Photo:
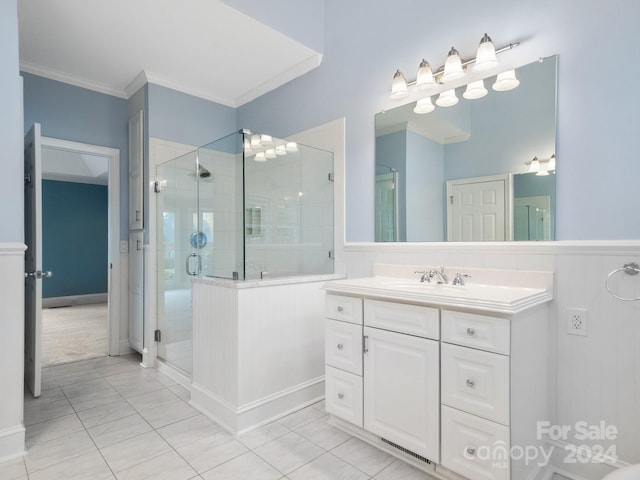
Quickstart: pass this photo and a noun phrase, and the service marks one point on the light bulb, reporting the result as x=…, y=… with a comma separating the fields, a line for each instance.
x=424, y=79
x=552, y=162
x=423, y=106
x=506, y=81
x=452, y=67
x=543, y=172
x=266, y=139
x=475, y=90
x=399, y=89
x=534, y=166
x=255, y=140
x=260, y=157
x=486, y=55
x=291, y=147
x=447, y=98
x=281, y=150
x=270, y=153
x=246, y=143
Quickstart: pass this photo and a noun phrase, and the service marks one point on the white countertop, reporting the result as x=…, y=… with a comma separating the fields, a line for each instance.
x=486, y=297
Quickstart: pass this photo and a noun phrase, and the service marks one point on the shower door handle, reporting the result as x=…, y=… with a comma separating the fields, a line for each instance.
x=188, y=264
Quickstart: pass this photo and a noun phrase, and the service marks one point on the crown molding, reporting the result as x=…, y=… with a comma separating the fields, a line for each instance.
x=58, y=76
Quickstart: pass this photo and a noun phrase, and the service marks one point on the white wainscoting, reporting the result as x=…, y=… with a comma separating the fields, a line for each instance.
x=258, y=352
x=591, y=379
x=11, y=350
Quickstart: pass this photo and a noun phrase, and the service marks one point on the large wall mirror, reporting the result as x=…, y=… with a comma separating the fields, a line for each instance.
x=463, y=173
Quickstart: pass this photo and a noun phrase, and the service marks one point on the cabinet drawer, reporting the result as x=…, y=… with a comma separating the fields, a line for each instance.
x=343, y=346
x=345, y=309
x=477, y=331
x=401, y=318
x=476, y=382
x=343, y=395
x=474, y=447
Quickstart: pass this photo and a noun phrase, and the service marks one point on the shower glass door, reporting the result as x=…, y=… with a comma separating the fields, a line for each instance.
x=177, y=257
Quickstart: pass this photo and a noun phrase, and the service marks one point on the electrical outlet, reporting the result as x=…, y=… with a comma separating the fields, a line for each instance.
x=577, y=321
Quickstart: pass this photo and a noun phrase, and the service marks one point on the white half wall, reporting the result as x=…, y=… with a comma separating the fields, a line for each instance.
x=11, y=350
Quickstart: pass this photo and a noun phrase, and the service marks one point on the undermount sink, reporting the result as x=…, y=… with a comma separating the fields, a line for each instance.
x=423, y=286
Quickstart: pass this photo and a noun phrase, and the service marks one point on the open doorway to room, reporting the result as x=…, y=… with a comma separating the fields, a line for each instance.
x=77, y=237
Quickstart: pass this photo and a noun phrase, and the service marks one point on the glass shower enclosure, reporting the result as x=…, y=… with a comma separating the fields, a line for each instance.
x=244, y=207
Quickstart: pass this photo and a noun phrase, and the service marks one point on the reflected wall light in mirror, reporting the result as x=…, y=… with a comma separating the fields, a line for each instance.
x=542, y=166
x=454, y=69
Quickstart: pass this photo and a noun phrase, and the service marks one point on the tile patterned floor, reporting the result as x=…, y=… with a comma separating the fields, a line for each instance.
x=109, y=418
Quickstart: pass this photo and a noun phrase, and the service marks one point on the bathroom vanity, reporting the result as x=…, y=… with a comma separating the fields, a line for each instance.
x=451, y=378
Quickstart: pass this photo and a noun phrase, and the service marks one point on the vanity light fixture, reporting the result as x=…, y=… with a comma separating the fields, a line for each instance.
x=255, y=140
x=265, y=139
x=423, y=106
x=270, y=153
x=447, y=98
x=455, y=68
x=291, y=147
x=475, y=90
x=281, y=150
x=260, y=157
x=542, y=166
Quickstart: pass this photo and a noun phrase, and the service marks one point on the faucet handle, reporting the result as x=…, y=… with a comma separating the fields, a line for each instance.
x=425, y=275
x=459, y=280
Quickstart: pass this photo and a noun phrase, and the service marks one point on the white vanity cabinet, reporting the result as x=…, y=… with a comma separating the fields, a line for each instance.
x=451, y=379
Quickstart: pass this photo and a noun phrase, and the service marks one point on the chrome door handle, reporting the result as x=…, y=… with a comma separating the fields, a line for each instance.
x=39, y=274
x=188, y=261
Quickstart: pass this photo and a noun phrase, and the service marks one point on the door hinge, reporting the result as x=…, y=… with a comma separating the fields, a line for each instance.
x=27, y=179
x=332, y=177
x=157, y=336
x=451, y=199
x=331, y=254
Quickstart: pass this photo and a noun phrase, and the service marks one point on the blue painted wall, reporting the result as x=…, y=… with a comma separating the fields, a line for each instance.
x=183, y=118
x=11, y=163
x=74, y=238
x=597, y=114
x=80, y=115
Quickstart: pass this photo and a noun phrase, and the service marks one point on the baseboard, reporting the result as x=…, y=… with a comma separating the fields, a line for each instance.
x=70, y=300
x=173, y=373
x=124, y=348
x=590, y=464
x=238, y=420
x=12, y=443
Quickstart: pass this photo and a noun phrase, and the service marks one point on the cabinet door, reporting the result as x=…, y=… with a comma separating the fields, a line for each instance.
x=402, y=390
x=136, y=291
x=136, y=177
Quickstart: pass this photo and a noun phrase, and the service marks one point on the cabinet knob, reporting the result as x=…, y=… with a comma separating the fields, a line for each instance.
x=470, y=383
x=340, y=346
x=471, y=451
x=340, y=309
x=471, y=332
x=341, y=396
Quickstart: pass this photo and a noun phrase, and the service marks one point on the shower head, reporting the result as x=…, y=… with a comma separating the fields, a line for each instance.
x=203, y=172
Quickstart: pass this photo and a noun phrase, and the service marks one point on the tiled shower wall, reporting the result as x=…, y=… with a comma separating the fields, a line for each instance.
x=591, y=379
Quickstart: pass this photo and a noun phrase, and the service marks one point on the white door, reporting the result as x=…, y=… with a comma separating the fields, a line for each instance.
x=402, y=390
x=136, y=291
x=33, y=259
x=478, y=209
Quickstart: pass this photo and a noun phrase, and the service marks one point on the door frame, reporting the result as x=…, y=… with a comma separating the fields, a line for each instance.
x=114, y=273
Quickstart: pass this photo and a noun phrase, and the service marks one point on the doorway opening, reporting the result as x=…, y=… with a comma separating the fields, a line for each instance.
x=80, y=229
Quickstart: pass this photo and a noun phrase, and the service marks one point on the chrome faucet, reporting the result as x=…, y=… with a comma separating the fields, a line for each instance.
x=442, y=277
x=425, y=275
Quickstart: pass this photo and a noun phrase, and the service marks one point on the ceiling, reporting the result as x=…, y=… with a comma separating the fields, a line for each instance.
x=68, y=166
x=200, y=47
